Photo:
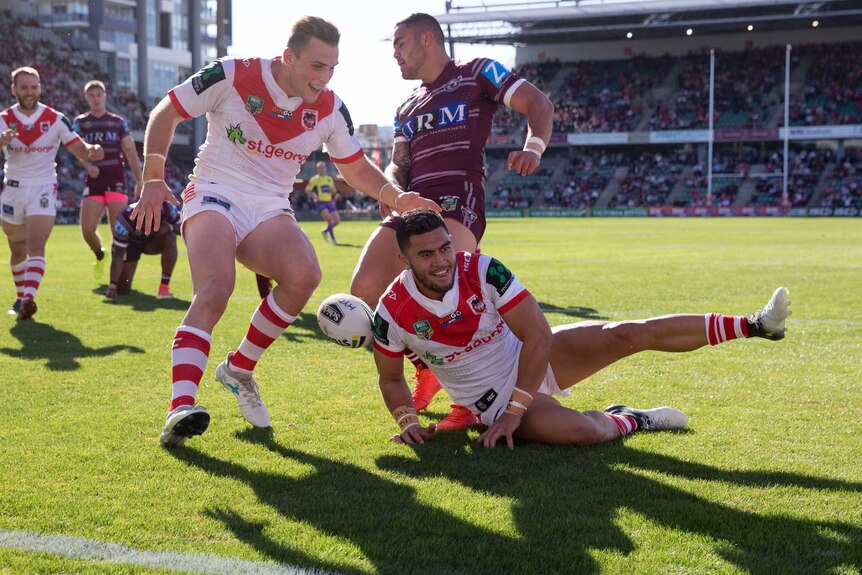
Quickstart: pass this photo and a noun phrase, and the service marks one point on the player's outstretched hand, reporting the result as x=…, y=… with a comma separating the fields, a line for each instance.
x=522, y=162
x=505, y=426
x=95, y=153
x=415, y=434
x=148, y=213
x=412, y=200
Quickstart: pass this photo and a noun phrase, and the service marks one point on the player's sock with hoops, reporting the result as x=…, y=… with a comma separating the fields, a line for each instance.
x=722, y=328
x=625, y=423
x=267, y=323
x=18, y=271
x=189, y=356
x=33, y=276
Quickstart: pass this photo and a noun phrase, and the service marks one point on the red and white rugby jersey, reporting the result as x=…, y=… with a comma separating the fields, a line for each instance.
x=463, y=338
x=257, y=136
x=446, y=123
x=31, y=158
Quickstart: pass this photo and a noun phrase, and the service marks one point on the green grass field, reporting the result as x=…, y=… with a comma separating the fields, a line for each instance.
x=766, y=480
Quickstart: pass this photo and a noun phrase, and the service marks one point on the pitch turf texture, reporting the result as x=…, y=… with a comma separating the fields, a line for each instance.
x=767, y=478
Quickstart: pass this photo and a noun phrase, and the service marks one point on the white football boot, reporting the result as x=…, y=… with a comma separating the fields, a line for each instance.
x=658, y=418
x=769, y=321
x=246, y=391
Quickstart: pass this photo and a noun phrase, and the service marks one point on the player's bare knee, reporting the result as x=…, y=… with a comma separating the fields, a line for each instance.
x=366, y=288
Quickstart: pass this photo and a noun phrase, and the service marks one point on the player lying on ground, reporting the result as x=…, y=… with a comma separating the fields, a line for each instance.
x=487, y=341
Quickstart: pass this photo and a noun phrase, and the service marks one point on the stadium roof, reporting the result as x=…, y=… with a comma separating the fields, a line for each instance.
x=563, y=21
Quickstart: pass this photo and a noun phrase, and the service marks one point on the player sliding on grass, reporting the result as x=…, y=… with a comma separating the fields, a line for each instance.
x=485, y=338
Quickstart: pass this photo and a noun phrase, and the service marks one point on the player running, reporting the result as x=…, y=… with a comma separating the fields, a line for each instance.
x=30, y=135
x=322, y=187
x=486, y=339
x=106, y=185
x=439, y=151
x=129, y=243
x=265, y=117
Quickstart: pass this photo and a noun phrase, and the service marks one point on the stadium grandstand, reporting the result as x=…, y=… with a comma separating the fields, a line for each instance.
x=630, y=81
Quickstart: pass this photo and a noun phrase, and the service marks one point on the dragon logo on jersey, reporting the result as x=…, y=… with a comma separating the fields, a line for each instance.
x=423, y=329
x=477, y=304
x=309, y=119
x=449, y=203
x=499, y=276
x=433, y=359
x=44, y=126
x=381, y=329
x=207, y=76
x=254, y=104
x=234, y=134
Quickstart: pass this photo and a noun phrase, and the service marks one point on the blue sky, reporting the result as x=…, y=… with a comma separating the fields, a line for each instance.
x=367, y=77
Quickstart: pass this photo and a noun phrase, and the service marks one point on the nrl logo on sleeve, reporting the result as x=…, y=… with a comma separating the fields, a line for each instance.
x=254, y=104
x=423, y=329
x=207, y=76
x=498, y=276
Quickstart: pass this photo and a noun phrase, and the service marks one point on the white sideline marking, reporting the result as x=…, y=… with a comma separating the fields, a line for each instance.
x=81, y=548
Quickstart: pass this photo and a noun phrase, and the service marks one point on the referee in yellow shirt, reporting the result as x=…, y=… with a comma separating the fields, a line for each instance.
x=322, y=187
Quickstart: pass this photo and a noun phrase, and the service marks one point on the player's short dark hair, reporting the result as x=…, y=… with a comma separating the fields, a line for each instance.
x=309, y=27
x=425, y=23
x=24, y=70
x=417, y=222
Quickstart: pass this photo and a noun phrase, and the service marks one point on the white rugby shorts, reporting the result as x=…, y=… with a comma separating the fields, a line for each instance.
x=244, y=211
x=18, y=202
x=549, y=386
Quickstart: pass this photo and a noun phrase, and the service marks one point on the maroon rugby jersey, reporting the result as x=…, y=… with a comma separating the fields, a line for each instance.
x=108, y=131
x=446, y=123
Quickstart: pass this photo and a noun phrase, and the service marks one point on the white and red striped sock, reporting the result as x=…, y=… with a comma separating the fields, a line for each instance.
x=625, y=423
x=722, y=328
x=188, y=362
x=267, y=323
x=18, y=277
x=33, y=275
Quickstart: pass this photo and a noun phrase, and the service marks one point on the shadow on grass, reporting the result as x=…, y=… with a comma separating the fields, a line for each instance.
x=140, y=301
x=574, y=507
x=61, y=349
x=566, y=505
x=583, y=313
x=304, y=328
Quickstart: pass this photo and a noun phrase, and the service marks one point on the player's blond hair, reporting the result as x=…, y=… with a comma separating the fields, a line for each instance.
x=309, y=27
x=94, y=84
x=25, y=70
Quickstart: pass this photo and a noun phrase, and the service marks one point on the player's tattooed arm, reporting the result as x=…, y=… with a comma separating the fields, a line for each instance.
x=399, y=168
